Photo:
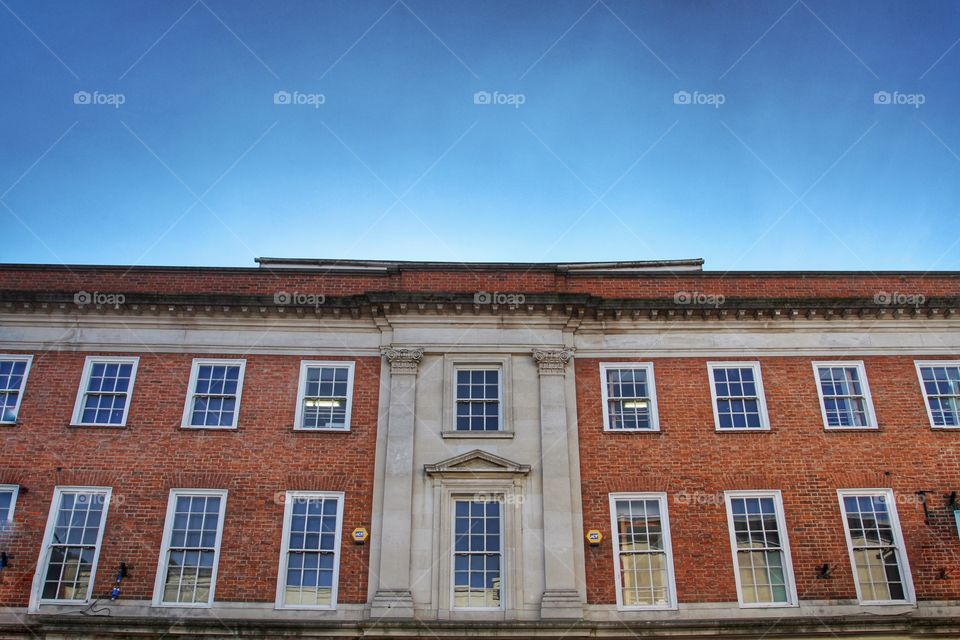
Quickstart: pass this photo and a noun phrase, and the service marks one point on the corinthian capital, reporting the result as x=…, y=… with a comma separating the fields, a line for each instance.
x=552, y=362
x=403, y=359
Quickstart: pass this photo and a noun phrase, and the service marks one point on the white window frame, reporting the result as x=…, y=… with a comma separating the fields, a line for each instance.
x=452, y=362
x=40, y=574
x=192, y=390
x=761, y=396
x=291, y=496
x=493, y=497
x=350, y=365
x=494, y=483
x=909, y=593
x=651, y=389
x=923, y=390
x=667, y=544
x=161, y=577
x=484, y=366
x=23, y=385
x=85, y=380
x=14, y=489
x=792, y=600
x=864, y=387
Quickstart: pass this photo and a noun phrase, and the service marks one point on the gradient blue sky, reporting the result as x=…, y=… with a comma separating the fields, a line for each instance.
x=797, y=169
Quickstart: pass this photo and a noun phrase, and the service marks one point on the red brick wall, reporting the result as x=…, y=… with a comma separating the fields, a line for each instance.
x=694, y=465
x=265, y=283
x=142, y=462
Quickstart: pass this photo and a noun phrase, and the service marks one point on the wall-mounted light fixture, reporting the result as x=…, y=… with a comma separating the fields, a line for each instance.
x=926, y=510
x=4, y=560
x=824, y=571
x=121, y=574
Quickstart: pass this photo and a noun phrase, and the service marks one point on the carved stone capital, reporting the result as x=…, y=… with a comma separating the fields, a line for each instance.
x=552, y=362
x=403, y=360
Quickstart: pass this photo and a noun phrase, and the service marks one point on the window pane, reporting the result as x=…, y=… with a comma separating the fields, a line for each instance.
x=73, y=545
x=11, y=383
x=642, y=553
x=6, y=502
x=843, y=400
x=941, y=386
x=758, y=553
x=324, y=404
x=628, y=399
x=477, y=400
x=737, y=399
x=215, y=396
x=106, y=395
x=477, y=554
x=643, y=577
x=311, y=551
x=876, y=554
x=192, y=549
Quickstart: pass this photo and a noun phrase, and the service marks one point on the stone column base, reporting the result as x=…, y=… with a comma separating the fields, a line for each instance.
x=394, y=603
x=561, y=603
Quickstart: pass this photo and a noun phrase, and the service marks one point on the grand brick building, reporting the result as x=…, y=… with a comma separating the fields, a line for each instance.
x=342, y=448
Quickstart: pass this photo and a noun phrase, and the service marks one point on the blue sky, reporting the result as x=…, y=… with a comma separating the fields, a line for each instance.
x=779, y=155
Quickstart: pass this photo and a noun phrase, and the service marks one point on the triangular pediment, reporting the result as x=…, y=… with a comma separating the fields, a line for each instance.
x=477, y=462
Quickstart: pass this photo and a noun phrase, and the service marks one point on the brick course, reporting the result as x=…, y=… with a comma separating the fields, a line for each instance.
x=265, y=282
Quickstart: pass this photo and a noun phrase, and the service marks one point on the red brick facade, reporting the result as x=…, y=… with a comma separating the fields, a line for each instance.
x=256, y=463
x=694, y=464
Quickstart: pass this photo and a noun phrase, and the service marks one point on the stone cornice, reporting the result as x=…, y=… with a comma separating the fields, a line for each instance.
x=390, y=304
